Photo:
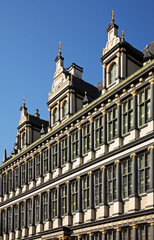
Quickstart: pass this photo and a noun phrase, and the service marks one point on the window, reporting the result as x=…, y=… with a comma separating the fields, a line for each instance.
x=111, y=235
x=54, y=156
x=112, y=73
x=22, y=214
x=23, y=174
x=45, y=162
x=127, y=115
x=98, y=131
x=111, y=180
x=85, y=188
x=16, y=177
x=144, y=172
x=64, y=109
x=9, y=219
x=112, y=123
x=45, y=206
x=30, y=170
x=10, y=181
x=3, y=219
x=64, y=200
x=126, y=178
x=29, y=212
x=86, y=138
x=24, y=139
x=4, y=183
x=98, y=187
x=144, y=232
x=37, y=165
x=144, y=106
x=54, y=203
x=64, y=150
x=75, y=144
x=16, y=217
x=37, y=208
x=55, y=115
x=74, y=195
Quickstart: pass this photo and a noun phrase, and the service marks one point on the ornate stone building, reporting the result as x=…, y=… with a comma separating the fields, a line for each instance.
x=88, y=172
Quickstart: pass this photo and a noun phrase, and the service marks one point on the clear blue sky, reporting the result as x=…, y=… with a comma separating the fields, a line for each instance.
x=29, y=34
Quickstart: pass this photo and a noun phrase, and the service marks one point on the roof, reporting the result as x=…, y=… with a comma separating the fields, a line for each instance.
x=148, y=52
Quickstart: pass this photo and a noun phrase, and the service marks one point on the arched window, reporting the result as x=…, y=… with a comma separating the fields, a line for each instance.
x=55, y=115
x=112, y=73
x=64, y=109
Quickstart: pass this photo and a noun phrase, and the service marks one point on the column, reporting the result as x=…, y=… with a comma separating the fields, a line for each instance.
x=1, y=188
x=104, y=206
x=58, y=112
x=68, y=101
x=40, y=223
x=135, y=113
x=49, y=118
x=79, y=159
x=152, y=98
x=118, y=206
x=119, y=233
x=150, y=197
x=0, y=224
x=135, y=232
x=152, y=230
x=133, y=198
x=58, y=218
x=104, y=235
x=104, y=112
x=104, y=78
x=68, y=217
x=79, y=213
x=32, y=226
x=91, y=120
x=91, y=236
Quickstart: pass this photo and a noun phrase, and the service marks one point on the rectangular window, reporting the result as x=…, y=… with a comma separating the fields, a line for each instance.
x=29, y=212
x=16, y=172
x=54, y=156
x=75, y=144
x=54, y=203
x=15, y=217
x=37, y=209
x=9, y=219
x=64, y=200
x=98, y=187
x=37, y=165
x=45, y=206
x=4, y=183
x=10, y=181
x=64, y=150
x=127, y=115
x=45, y=162
x=85, y=192
x=86, y=138
x=22, y=214
x=23, y=174
x=144, y=105
x=126, y=178
x=144, y=172
x=98, y=131
x=112, y=123
x=30, y=170
x=111, y=181
x=74, y=187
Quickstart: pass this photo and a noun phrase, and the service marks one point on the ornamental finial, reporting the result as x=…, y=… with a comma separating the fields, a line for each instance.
x=59, y=47
x=23, y=99
x=112, y=14
x=122, y=34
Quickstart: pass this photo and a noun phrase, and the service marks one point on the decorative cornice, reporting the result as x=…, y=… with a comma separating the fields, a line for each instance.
x=91, y=234
x=150, y=148
x=117, y=161
x=119, y=229
x=151, y=81
x=134, y=93
x=89, y=173
x=133, y=155
x=103, y=167
x=78, y=178
x=104, y=111
x=104, y=231
x=118, y=102
x=134, y=226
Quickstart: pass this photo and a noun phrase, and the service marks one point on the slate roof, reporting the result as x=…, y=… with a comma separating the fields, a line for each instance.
x=148, y=52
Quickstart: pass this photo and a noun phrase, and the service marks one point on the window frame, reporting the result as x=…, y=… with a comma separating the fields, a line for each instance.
x=74, y=194
x=144, y=180
x=143, y=116
x=63, y=200
x=54, y=203
x=54, y=156
x=85, y=192
x=126, y=174
x=64, y=150
x=112, y=71
x=112, y=117
x=86, y=131
x=45, y=162
x=127, y=115
x=75, y=144
x=98, y=188
x=111, y=183
x=98, y=128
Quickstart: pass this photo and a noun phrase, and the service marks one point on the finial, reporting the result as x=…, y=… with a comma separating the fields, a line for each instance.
x=112, y=14
x=59, y=47
x=85, y=93
x=122, y=34
x=23, y=99
x=147, y=46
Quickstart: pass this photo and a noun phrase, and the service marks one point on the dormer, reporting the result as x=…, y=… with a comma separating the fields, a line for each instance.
x=119, y=59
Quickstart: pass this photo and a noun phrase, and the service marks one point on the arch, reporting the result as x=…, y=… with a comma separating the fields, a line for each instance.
x=64, y=109
x=112, y=73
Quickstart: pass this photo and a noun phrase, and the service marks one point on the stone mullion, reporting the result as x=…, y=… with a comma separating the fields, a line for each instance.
x=119, y=233
x=119, y=65
x=58, y=153
x=25, y=214
x=104, y=185
x=49, y=159
x=119, y=119
x=152, y=98
x=135, y=232
x=33, y=170
x=68, y=198
x=19, y=217
x=91, y=189
x=68, y=97
x=134, y=175
x=26, y=172
x=40, y=208
x=152, y=230
x=104, y=77
x=7, y=183
x=12, y=218
x=33, y=211
x=49, y=205
x=6, y=220
x=104, y=126
x=91, y=134
x=69, y=148
x=58, y=120
x=104, y=235
x=135, y=115
x=118, y=180
x=1, y=187
x=79, y=193
x=151, y=150
x=41, y=164
x=13, y=186
x=80, y=141
x=19, y=176
x=58, y=202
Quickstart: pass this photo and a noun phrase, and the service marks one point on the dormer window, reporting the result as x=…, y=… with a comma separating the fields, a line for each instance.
x=112, y=73
x=55, y=115
x=64, y=109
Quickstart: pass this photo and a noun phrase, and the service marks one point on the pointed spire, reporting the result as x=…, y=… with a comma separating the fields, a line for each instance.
x=42, y=132
x=59, y=47
x=5, y=155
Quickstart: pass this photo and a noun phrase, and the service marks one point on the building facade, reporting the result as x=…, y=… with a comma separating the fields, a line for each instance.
x=88, y=172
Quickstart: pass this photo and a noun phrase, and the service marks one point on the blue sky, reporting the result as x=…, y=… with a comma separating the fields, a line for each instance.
x=30, y=31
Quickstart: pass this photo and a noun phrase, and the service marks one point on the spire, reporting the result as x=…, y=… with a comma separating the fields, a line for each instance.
x=42, y=132
x=112, y=24
x=59, y=47
x=112, y=15
x=5, y=155
x=59, y=59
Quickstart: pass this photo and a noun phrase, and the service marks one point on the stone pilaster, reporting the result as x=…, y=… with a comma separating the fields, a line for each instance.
x=104, y=78
x=135, y=232
x=18, y=230
x=32, y=229
x=33, y=182
x=67, y=220
x=79, y=237
x=79, y=213
x=90, y=214
x=150, y=192
x=49, y=118
x=48, y=176
x=104, y=210
x=119, y=233
x=119, y=124
x=104, y=235
x=133, y=198
x=91, y=236
x=39, y=227
x=59, y=117
x=18, y=191
x=152, y=230
x=57, y=220
x=68, y=101
x=40, y=178
x=104, y=112
x=80, y=158
x=1, y=188
x=25, y=228
x=48, y=223
x=25, y=186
